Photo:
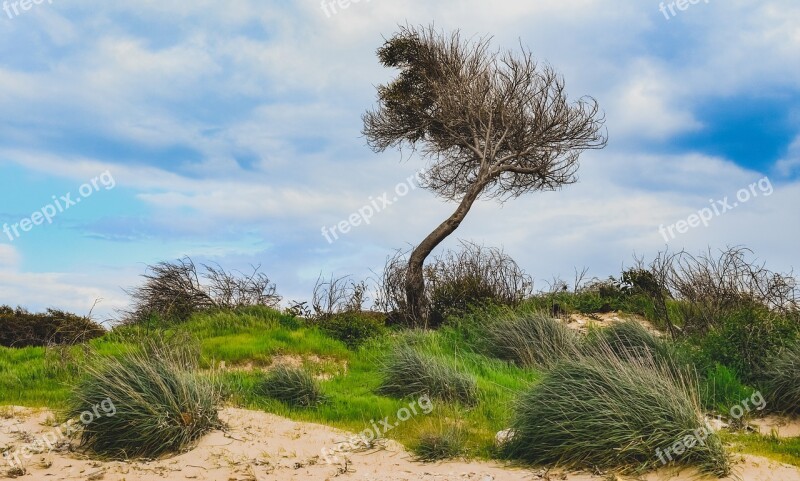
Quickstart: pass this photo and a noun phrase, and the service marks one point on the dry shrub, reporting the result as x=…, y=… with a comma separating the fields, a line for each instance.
x=21, y=328
x=456, y=281
x=173, y=291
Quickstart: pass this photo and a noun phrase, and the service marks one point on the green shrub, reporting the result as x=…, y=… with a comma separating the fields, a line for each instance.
x=782, y=381
x=353, y=328
x=746, y=337
x=20, y=328
x=605, y=412
x=531, y=339
x=160, y=405
x=446, y=442
x=457, y=296
x=408, y=372
x=293, y=386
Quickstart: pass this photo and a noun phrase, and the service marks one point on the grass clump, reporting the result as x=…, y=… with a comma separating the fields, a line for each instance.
x=630, y=339
x=150, y=400
x=291, y=385
x=408, y=372
x=530, y=339
x=353, y=328
x=606, y=412
x=782, y=380
x=445, y=442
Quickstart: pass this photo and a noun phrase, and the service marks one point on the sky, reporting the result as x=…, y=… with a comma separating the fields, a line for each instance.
x=230, y=132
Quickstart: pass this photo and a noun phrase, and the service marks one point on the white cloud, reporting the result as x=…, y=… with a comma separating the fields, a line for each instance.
x=791, y=163
x=75, y=292
x=286, y=85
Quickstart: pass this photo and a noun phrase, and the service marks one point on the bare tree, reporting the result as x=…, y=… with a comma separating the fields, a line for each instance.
x=491, y=124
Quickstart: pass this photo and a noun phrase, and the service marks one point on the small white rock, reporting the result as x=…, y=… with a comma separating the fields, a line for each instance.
x=504, y=436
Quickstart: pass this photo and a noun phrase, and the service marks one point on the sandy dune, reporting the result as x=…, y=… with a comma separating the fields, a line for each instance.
x=260, y=447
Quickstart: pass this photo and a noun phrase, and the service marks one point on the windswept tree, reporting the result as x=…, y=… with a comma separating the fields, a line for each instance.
x=490, y=124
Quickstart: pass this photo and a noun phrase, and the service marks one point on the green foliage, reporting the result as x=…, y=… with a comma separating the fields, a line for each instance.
x=160, y=404
x=437, y=444
x=721, y=388
x=455, y=297
x=605, y=412
x=353, y=328
x=782, y=380
x=745, y=338
x=20, y=328
x=409, y=372
x=529, y=338
x=598, y=298
x=291, y=385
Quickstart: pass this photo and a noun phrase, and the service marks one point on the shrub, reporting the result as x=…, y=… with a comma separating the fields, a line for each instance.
x=605, y=412
x=173, y=291
x=293, y=386
x=782, y=380
x=456, y=282
x=712, y=286
x=746, y=337
x=353, y=328
x=530, y=338
x=337, y=295
x=20, y=328
x=408, y=372
x=160, y=405
x=446, y=442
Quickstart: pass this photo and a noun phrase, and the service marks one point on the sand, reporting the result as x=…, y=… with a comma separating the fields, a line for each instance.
x=259, y=446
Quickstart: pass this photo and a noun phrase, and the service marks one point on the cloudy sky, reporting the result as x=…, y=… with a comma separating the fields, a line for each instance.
x=134, y=132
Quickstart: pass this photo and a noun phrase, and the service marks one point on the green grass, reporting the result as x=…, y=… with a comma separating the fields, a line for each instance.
x=251, y=339
x=29, y=378
x=257, y=337
x=149, y=401
x=530, y=339
x=781, y=450
x=291, y=385
x=409, y=372
x=782, y=380
x=439, y=443
x=607, y=412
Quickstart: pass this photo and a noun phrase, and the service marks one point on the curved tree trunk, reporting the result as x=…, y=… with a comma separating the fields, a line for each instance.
x=415, y=280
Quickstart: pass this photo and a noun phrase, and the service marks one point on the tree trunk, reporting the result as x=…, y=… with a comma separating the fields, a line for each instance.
x=415, y=280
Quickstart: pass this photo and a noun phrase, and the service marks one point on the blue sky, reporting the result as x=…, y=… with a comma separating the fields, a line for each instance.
x=232, y=133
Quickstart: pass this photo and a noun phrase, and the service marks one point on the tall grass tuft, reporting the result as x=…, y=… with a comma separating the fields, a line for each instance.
x=530, y=339
x=160, y=404
x=782, y=380
x=443, y=442
x=408, y=372
x=291, y=385
x=608, y=412
x=630, y=339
